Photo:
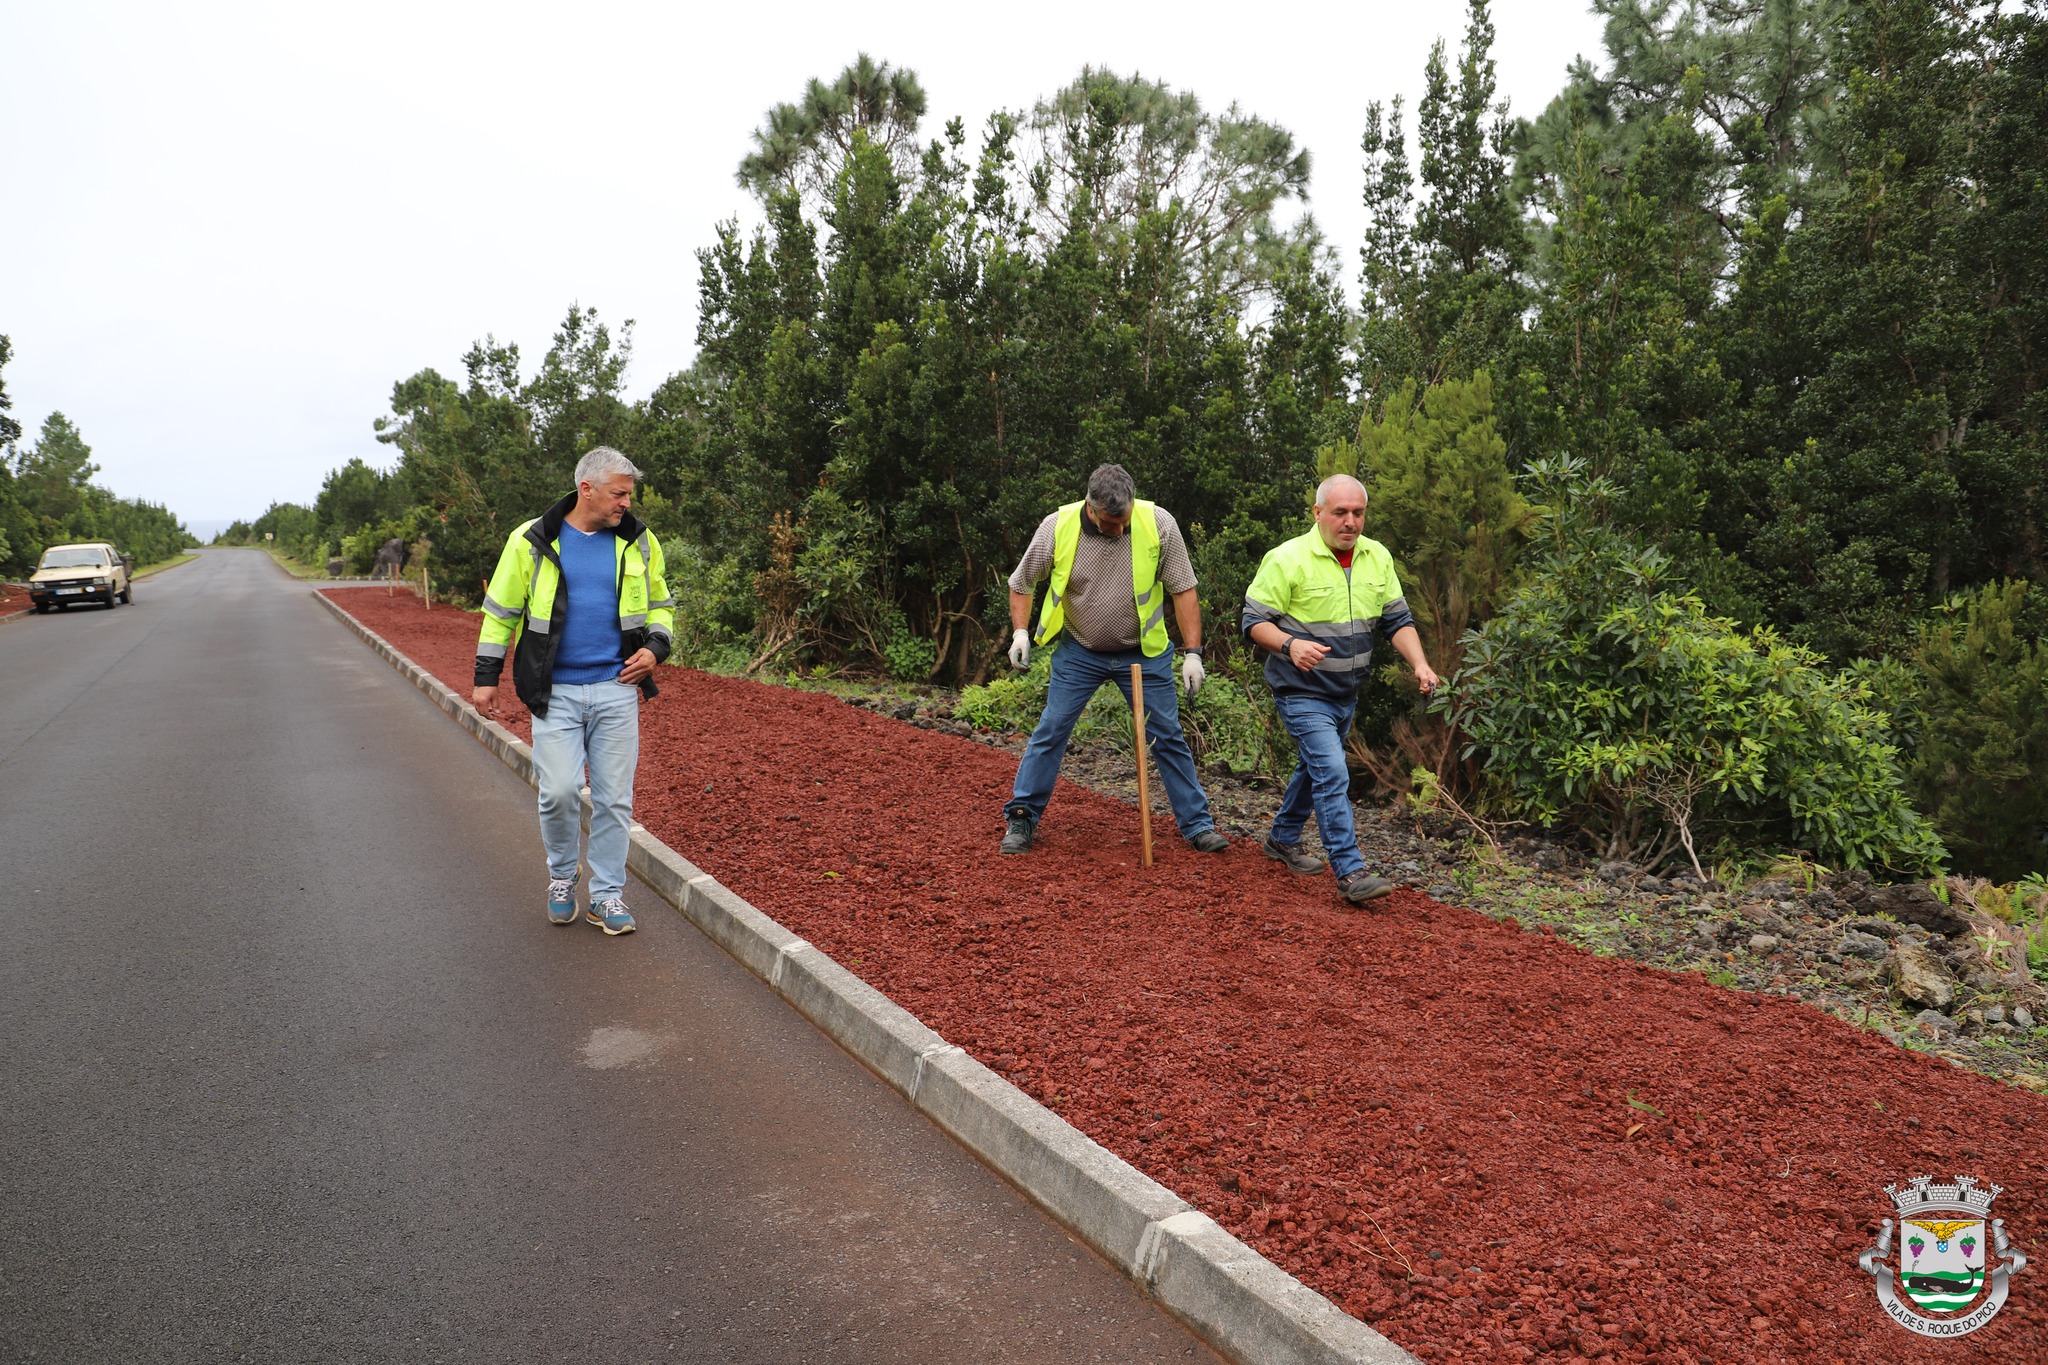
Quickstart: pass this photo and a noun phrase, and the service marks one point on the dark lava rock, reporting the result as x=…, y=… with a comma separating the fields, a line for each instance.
x=1935, y=1024
x=1914, y=903
x=1868, y=946
x=1882, y=928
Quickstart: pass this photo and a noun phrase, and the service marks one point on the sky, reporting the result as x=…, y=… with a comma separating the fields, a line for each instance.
x=226, y=230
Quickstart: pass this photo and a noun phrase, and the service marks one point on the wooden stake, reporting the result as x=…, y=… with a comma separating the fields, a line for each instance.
x=1144, y=778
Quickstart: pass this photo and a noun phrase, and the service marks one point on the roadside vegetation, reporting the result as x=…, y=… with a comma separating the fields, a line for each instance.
x=47, y=497
x=1701, y=410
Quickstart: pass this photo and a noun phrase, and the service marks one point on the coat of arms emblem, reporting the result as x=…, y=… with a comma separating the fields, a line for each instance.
x=1939, y=1286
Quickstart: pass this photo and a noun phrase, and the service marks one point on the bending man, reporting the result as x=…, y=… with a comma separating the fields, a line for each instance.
x=1114, y=560
x=583, y=591
x=1315, y=606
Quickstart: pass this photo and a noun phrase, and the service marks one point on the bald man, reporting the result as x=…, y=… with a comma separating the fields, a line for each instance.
x=1316, y=606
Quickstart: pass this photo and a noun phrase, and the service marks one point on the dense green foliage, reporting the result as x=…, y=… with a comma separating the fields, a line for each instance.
x=1979, y=703
x=1605, y=695
x=1772, y=272
x=47, y=497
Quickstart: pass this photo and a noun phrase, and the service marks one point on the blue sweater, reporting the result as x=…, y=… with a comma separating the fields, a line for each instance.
x=589, y=651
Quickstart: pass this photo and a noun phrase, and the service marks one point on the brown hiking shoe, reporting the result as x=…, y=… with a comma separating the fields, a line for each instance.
x=1361, y=886
x=1295, y=856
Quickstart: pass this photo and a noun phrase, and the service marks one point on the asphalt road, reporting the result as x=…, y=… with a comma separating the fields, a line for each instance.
x=296, y=1070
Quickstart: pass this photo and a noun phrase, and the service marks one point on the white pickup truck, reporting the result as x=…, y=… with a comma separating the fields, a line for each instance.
x=89, y=571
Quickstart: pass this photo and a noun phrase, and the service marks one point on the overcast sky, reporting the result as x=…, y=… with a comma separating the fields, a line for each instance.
x=225, y=230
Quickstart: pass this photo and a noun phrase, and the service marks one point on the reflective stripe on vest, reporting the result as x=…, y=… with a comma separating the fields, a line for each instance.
x=1149, y=592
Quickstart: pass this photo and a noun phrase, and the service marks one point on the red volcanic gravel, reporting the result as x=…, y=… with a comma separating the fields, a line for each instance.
x=1488, y=1144
x=14, y=600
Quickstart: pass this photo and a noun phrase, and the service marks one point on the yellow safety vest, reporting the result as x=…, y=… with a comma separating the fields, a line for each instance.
x=1151, y=597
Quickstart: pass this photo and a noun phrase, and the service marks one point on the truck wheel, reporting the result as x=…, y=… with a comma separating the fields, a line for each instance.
x=42, y=608
x=113, y=600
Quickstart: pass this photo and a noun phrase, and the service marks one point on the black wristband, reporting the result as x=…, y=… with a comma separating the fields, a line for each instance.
x=1191, y=649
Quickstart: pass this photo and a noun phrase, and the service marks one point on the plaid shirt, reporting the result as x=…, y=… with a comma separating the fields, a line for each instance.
x=1101, y=601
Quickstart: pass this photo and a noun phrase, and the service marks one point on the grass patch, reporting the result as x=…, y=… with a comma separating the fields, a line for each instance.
x=295, y=567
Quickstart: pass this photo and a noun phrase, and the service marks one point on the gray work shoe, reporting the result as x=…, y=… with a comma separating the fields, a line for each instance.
x=1017, y=836
x=1361, y=886
x=611, y=915
x=1209, y=841
x=562, y=900
x=1297, y=858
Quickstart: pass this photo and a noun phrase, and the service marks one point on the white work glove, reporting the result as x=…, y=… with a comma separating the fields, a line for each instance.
x=1191, y=675
x=1020, y=649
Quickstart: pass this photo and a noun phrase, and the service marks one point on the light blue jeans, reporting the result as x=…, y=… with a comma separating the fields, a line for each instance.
x=1322, y=783
x=597, y=724
x=1076, y=673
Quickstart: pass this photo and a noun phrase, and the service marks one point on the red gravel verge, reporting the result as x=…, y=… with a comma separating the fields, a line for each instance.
x=1488, y=1144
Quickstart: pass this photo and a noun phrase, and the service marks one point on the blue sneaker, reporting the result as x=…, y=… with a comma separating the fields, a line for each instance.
x=562, y=900
x=611, y=915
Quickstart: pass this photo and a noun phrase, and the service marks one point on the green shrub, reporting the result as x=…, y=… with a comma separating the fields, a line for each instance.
x=1231, y=724
x=910, y=658
x=1010, y=701
x=714, y=608
x=1980, y=704
x=1604, y=695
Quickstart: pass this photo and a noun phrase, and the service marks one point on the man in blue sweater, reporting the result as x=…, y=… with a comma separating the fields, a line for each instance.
x=583, y=592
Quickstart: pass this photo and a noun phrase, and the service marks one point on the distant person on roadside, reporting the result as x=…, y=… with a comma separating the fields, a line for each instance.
x=1315, y=607
x=583, y=592
x=1114, y=561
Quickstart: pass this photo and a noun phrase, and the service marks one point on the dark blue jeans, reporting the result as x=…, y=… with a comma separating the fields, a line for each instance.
x=1321, y=783
x=1076, y=674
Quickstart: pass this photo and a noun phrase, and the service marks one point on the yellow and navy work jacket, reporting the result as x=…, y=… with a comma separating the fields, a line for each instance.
x=1145, y=586
x=525, y=608
x=1302, y=589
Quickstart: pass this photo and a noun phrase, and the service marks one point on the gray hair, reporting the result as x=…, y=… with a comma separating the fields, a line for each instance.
x=1332, y=484
x=603, y=463
x=1110, y=490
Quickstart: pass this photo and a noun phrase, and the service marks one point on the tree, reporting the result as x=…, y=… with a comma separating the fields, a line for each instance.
x=1441, y=267
x=1117, y=151
x=54, y=477
x=48, y=498
x=10, y=429
x=15, y=531
x=803, y=146
x=355, y=496
x=1908, y=462
x=1981, y=702
x=1758, y=79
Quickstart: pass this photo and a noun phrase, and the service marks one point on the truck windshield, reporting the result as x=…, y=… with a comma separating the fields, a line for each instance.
x=74, y=559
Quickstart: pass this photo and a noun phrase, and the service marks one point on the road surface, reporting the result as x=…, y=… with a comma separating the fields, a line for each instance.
x=295, y=1068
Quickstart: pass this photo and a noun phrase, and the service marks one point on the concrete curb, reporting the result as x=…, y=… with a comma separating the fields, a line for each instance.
x=1233, y=1298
